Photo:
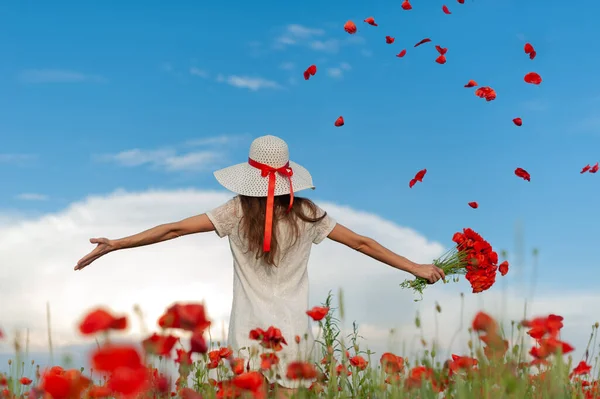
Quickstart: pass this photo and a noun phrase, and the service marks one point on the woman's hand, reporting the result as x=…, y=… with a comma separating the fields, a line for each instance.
x=104, y=246
x=431, y=273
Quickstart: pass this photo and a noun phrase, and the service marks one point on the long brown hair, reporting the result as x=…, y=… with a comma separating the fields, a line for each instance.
x=252, y=224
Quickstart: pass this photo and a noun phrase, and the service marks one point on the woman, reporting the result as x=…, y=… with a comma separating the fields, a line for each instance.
x=270, y=233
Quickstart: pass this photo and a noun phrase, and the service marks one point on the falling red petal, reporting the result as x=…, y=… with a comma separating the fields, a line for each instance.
x=371, y=21
x=412, y=183
x=441, y=59
x=533, y=78
x=474, y=205
x=401, y=54
x=585, y=168
x=594, y=168
x=406, y=5
x=389, y=39
x=446, y=10
x=350, y=27
x=530, y=50
x=441, y=50
x=486, y=92
x=339, y=121
x=471, y=83
x=518, y=121
x=426, y=40
x=461, y=1
x=420, y=175
x=523, y=174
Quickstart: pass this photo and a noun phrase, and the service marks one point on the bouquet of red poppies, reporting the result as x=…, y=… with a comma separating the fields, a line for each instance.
x=472, y=256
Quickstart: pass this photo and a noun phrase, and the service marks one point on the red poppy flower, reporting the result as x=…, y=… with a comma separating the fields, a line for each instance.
x=301, y=371
x=391, y=363
x=350, y=27
x=100, y=320
x=159, y=345
x=370, y=21
x=582, y=368
x=318, y=313
x=359, y=362
x=484, y=322
x=110, y=357
x=189, y=317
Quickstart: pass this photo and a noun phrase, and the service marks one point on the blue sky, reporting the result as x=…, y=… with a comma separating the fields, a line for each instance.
x=83, y=83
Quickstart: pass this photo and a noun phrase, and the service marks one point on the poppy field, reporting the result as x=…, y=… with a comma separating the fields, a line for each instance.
x=499, y=364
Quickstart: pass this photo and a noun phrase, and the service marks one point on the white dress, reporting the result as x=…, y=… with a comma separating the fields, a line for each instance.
x=265, y=295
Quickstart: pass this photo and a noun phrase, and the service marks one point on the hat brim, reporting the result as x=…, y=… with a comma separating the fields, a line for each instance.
x=247, y=180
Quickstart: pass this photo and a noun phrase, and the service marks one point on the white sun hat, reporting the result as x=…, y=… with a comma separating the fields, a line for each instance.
x=249, y=180
x=268, y=172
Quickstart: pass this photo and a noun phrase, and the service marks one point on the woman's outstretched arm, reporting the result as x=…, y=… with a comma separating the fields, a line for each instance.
x=373, y=249
x=163, y=232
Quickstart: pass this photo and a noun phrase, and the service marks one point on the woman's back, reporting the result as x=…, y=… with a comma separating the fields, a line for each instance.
x=267, y=295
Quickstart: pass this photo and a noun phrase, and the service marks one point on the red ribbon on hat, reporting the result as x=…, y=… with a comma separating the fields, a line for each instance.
x=270, y=171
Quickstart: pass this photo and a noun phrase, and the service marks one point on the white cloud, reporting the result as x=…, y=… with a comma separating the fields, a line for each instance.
x=38, y=256
x=32, y=197
x=167, y=159
x=198, y=72
x=328, y=46
x=288, y=66
x=338, y=72
x=19, y=159
x=58, y=76
x=217, y=140
x=248, y=82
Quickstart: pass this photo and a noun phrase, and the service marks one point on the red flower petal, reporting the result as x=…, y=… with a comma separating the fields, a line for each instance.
x=533, y=78
x=530, y=50
x=474, y=205
x=401, y=54
x=461, y=1
x=518, y=121
x=350, y=27
x=389, y=39
x=471, y=83
x=586, y=168
x=446, y=10
x=406, y=5
x=594, y=168
x=486, y=92
x=371, y=21
x=310, y=71
x=441, y=50
x=441, y=59
x=523, y=174
x=426, y=40
x=339, y=121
